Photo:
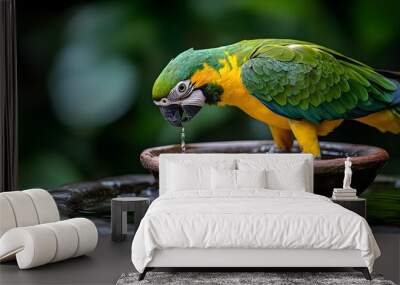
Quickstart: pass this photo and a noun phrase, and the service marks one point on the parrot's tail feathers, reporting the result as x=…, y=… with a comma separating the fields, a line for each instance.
x=396, y=105
x=391, y=121
x=386, y=120
x=396, y=113
x=389, y=73
x=396, y=95
x=394, y=76
x=394, y=126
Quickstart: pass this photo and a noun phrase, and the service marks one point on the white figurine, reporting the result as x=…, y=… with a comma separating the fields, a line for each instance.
x=347, y=174
x=345, y=193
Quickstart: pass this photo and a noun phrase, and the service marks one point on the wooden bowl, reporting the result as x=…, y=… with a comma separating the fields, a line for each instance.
x=328, y=171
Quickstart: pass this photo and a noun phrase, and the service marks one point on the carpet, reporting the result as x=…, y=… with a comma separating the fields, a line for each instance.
x=243, y=278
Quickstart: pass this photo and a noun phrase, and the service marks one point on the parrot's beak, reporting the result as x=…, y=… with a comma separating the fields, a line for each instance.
x=184, y=110
x=173, y=114
x=176, y=114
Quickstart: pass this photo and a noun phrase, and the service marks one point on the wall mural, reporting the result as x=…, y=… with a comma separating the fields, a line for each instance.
x=300, y=90
x=86, y=74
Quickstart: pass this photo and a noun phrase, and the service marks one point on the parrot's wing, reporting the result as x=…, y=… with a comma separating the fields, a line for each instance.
x=301, y=80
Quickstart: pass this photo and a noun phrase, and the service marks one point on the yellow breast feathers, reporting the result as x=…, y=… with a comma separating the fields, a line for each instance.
x=234, y=92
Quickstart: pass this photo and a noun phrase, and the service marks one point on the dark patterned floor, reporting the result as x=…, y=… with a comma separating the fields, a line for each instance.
x=251, y=278
x=111, y=259
x=103, y=266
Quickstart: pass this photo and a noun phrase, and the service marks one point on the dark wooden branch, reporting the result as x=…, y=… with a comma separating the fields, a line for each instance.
x=93, y=197
x=8, y=97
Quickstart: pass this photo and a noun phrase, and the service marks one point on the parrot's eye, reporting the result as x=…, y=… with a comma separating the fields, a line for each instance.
x=180, y=91
x=182, y=87
x=164, y=101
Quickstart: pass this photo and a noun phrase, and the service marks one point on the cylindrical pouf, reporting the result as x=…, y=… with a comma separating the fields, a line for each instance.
x=33, y=246
x=87, y=234
x=45, y=205
x=41, y=244
x=7, y=218
x=26, y=208
x=23, y=208
x=67, y=240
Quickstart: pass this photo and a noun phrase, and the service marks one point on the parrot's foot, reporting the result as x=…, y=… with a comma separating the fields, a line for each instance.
x=307, y=136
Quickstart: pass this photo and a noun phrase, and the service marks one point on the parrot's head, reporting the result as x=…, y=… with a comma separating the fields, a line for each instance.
x=175, y=92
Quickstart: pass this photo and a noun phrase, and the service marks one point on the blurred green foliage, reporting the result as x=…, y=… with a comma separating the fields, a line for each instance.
x=383, y=204
x=86, y=70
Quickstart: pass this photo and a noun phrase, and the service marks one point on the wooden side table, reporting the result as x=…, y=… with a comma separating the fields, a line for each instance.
x=358, y=205
x=119, y=208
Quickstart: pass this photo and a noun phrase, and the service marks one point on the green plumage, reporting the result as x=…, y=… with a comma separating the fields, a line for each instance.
x=296, y=79
x=182, y=67
x=301, y=80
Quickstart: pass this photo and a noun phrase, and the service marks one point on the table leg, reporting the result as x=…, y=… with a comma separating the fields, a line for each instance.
x=116, y=222
x=124, y=221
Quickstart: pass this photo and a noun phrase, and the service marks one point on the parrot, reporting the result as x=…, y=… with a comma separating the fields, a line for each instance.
x=300, y=90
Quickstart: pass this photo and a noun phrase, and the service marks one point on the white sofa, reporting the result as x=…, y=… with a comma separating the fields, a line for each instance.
x=31, y=231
